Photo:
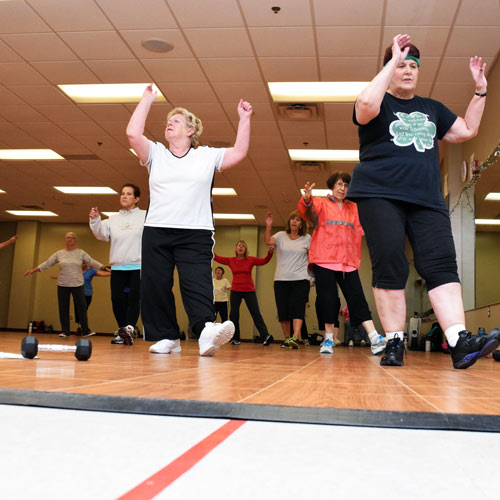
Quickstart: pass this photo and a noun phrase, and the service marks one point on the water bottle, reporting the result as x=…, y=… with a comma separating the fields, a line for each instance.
x=30, y=327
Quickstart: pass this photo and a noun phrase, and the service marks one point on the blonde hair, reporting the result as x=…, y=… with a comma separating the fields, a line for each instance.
x=192, y=121
x=71, y=233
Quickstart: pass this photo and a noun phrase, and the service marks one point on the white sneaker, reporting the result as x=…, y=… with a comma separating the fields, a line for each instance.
x=215, y=335
x=378, y=346
x=351, y=343
x=166, y=346
x=327, y=346
x=337, y=342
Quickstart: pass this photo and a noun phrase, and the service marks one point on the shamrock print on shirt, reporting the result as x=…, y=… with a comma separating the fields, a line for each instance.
x=413, y=128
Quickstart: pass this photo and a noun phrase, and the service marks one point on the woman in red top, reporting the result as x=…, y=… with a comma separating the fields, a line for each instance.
x=243, y=288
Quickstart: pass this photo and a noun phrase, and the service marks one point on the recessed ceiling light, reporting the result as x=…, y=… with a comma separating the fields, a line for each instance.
x=85, y=189
x=319, y=192
x=37, y=213
x=29, y=154
x=224, y=191
x=493, y=197
x=2, y=191
x=324, y=154
x=157, y=45
x=108, y=92
x=234, y=216
x=487, y=222
x=315, y=91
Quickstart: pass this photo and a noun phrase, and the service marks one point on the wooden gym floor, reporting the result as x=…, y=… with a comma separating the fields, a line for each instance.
x=265, y=383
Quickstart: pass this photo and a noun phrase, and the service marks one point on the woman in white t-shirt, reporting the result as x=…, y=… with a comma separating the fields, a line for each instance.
x=221, y=288
x=291, y=279
x=178, y=230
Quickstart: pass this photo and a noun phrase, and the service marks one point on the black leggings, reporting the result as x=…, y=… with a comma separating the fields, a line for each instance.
x=250, y=299
x=125, y=296
x=221, y=309
x=63, y=295
x=387, y=222
x=350, y=284
x=88, y=300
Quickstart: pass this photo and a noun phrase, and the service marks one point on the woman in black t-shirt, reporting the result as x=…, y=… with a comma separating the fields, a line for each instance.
x=397, y=187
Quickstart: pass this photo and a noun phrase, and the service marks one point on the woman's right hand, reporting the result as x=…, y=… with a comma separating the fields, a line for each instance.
x=149, y=93
x=94, y=212
x=269, y=219
x=398, y=53
x=308, y=191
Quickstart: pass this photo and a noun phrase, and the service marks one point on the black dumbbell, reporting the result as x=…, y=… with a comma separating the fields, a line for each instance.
x=496, y=355
x=30, y=348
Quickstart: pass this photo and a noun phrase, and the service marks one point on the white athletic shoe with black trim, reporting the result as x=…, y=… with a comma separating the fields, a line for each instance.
x=166, y=346
x=215, y=335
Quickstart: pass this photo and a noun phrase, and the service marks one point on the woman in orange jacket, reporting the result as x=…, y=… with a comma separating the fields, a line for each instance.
x=335, y=256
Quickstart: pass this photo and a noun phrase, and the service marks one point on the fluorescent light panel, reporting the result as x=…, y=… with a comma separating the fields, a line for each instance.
x=29, y=154
x=487, y=222
x=224, y=191
x=108, y=92
x=315, y=91
x=234, y=216
x=493, y=197
x=85, y=190
x=37, y=213
x=319, y=192
x=2, y=191
x=324, y=154
x=109, y=214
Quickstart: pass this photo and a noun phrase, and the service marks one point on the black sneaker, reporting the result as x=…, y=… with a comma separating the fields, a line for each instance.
x=286, y=343
x=470, y=348
x=268, y=340
x=235, y=342
x=394, y=352
x=293, y=342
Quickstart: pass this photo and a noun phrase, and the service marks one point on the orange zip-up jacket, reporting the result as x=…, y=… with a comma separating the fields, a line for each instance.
x=337, y=236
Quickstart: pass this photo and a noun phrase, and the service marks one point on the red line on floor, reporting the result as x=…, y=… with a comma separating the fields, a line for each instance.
x=166, y=476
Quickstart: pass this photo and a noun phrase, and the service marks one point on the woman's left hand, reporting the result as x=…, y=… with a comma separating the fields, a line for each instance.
x=269, y=219
x=477, y=68
x=245, y=109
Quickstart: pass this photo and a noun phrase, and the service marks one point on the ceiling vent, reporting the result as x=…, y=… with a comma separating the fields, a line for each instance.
x=81, y=157
x=31, y=207
x=310, y=166
x=298, y=111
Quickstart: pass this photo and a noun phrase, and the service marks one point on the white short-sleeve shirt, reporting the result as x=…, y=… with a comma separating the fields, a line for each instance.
x=180, y=188
x=292, y=257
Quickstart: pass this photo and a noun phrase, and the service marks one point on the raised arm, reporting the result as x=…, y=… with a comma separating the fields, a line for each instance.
x=305, y=205
x=135, y=128
x=11, y=240
x=268, y=239
x=237, y=153
x=222, y=260
x=99, y=228
x=261, y=261
x=368, y=102
x=467, y=127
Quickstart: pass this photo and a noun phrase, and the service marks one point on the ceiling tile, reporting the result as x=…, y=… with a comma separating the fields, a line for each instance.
x=248, y=91
x=17, y=17
x=306, y=127
x=41, y=94
x=472, y=41
x=20, y=73
x=77, y=15
x=421, y=13
x=214, y=129
x=483, y=14
x=347, y=69
x=262, y=111
x=298, y=141
x=348, y=12
x=452, y=92
x=261, y=128
x=226, y=42
x=21, y=114
x=128, y=71
x=146, y=14
x=83, y=127
x=456, y=69
x=430, y=40
x=175, y=70
x=214, y=14
x=66, y=72
x=231, y=69
x=339, y=111
x=289, y=69
x=107, y=112
x=157, y=113
x=206, y=111
x=97, y=45
x=172, y=36
x=40, y=47
x=288, y=42
x=7, y=54
x=292, y=13
x=178, y=93
x=67, y=113
x=359, y=41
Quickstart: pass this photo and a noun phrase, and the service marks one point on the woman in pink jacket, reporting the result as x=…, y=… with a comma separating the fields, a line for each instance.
x=335, y=256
